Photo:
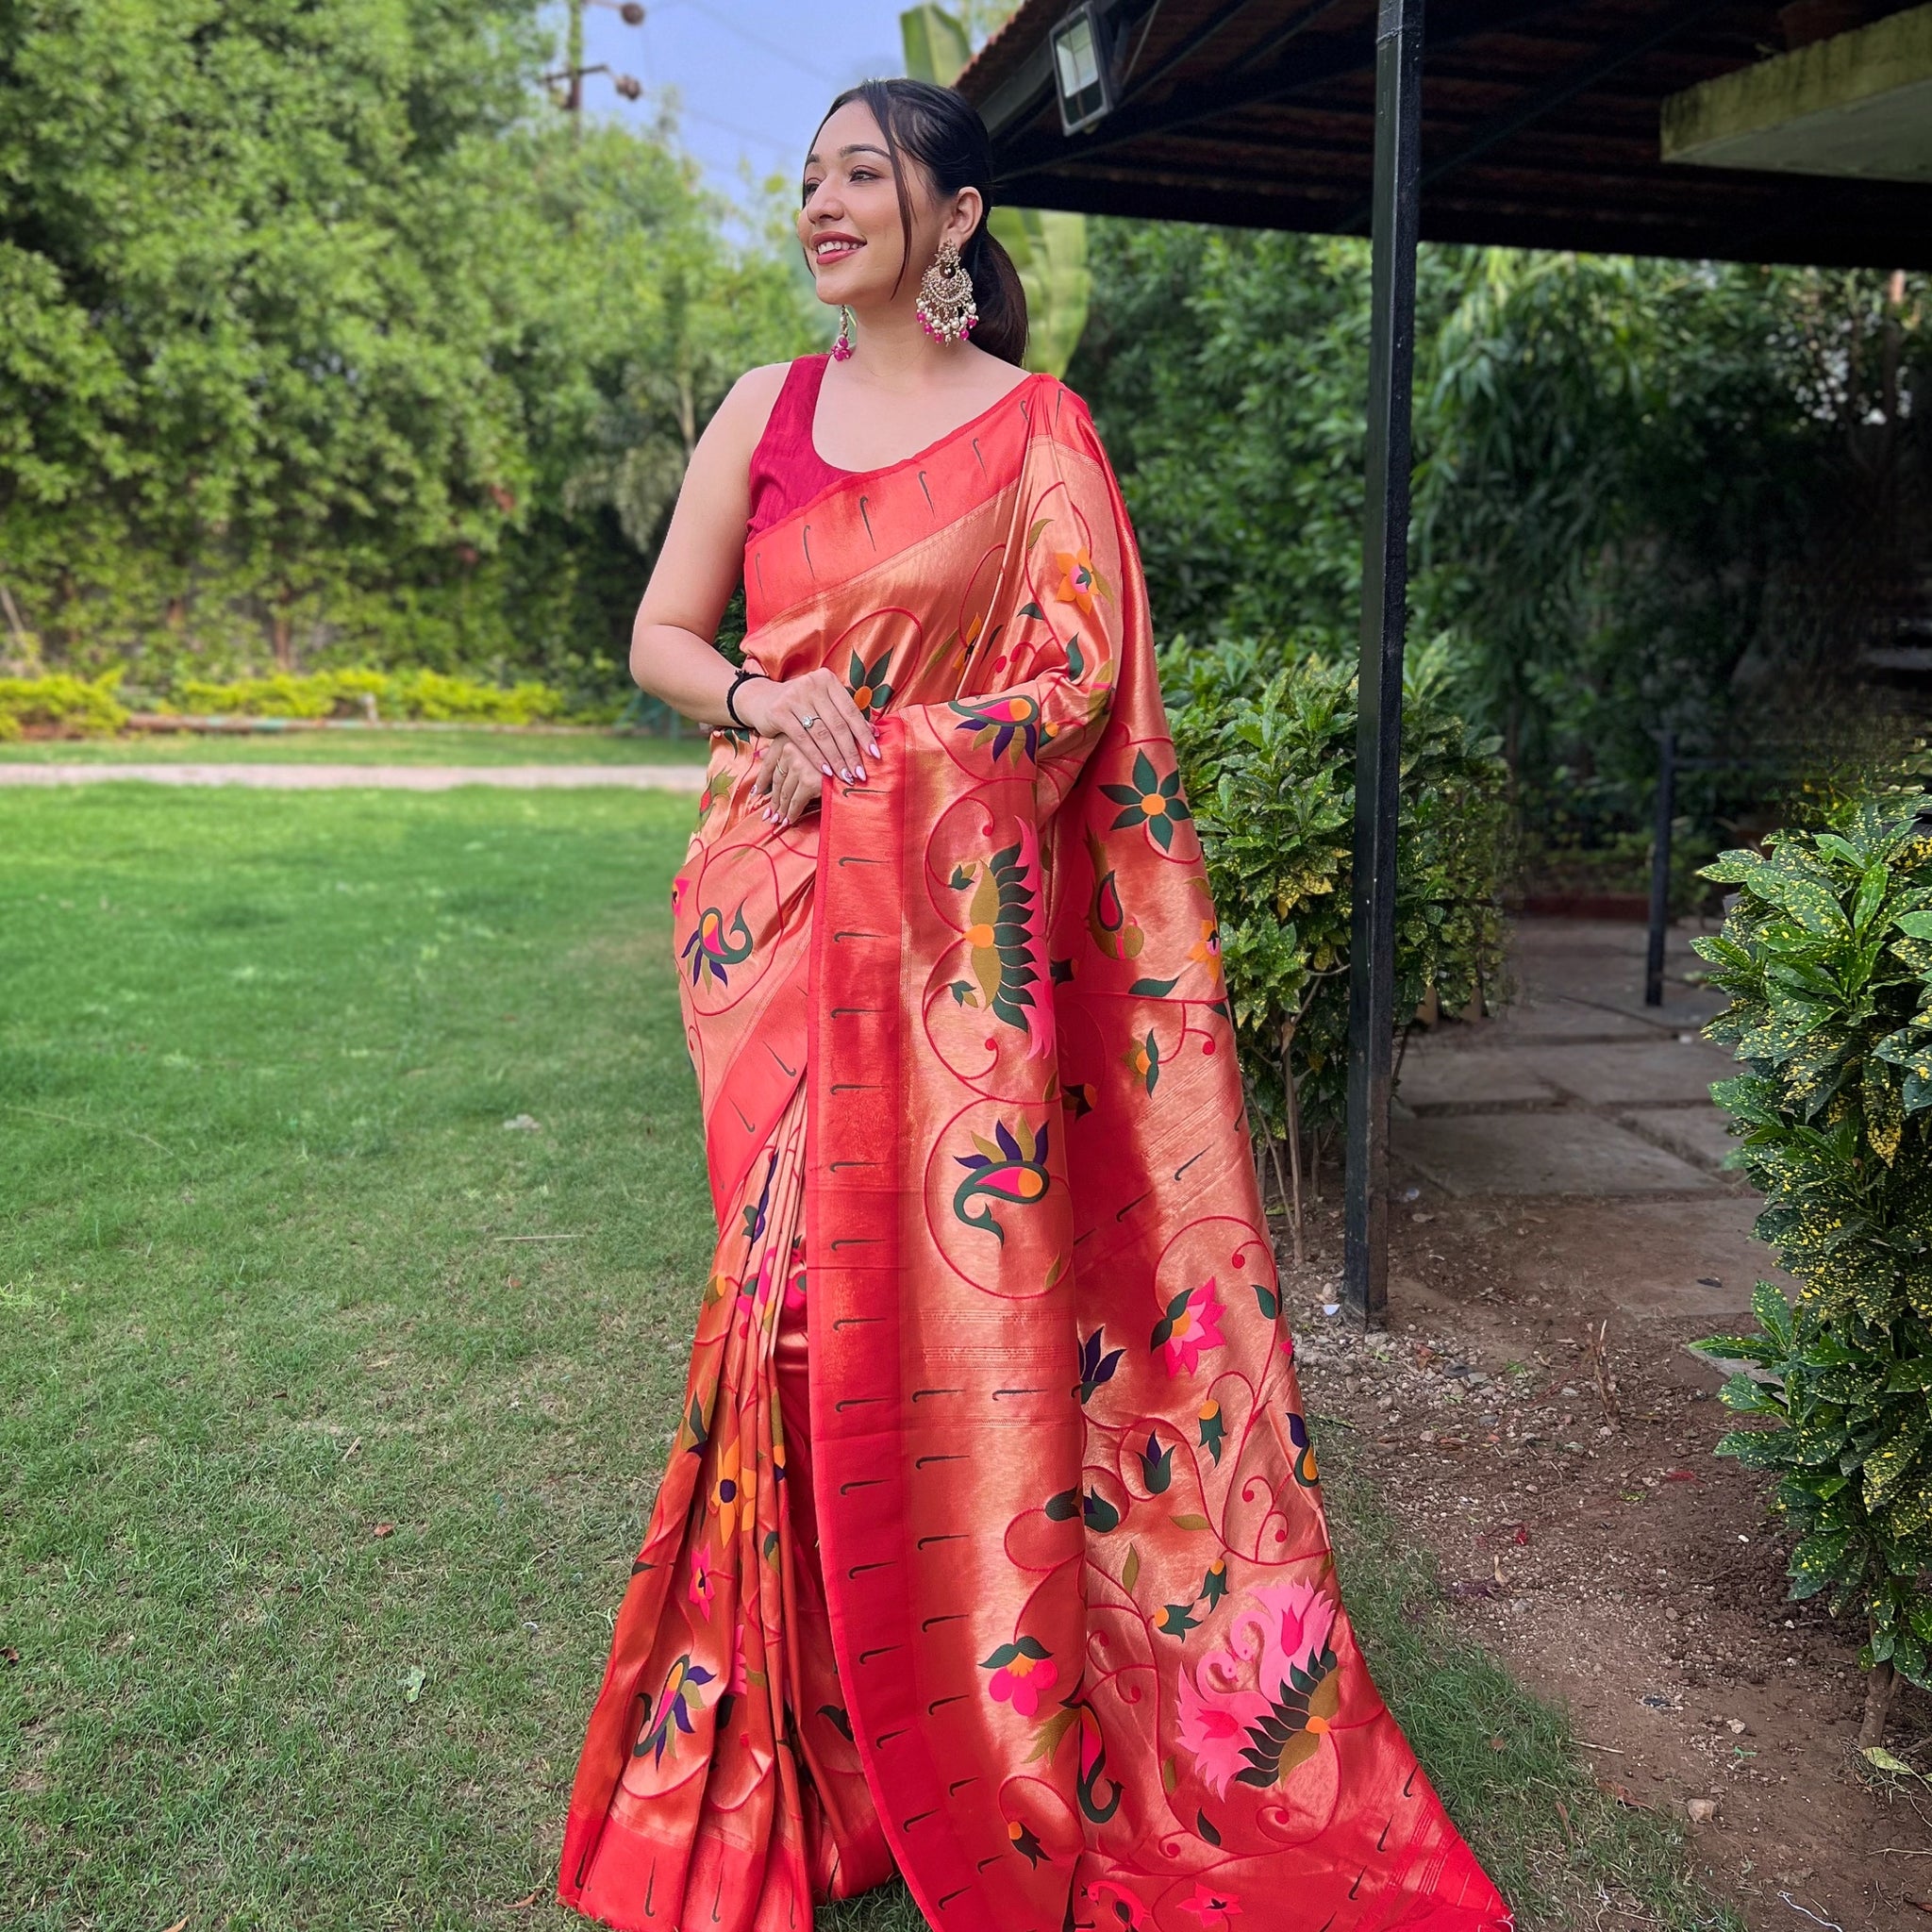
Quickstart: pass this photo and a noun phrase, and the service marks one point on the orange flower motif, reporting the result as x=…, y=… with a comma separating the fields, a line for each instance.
x=1076, y=579
x=731, y=1494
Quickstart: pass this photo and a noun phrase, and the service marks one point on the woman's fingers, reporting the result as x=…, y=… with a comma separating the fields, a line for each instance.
x=789, y=784
x=839, y=730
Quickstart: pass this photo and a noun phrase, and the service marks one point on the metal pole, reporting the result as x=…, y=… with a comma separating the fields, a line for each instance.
x=1385, y=622
x=1660, y=870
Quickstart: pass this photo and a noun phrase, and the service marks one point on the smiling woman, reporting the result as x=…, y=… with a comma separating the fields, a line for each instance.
x=990, y=1543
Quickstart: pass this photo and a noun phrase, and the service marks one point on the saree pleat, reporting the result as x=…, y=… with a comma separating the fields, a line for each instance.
x=993, y=1544
x=725, y=1812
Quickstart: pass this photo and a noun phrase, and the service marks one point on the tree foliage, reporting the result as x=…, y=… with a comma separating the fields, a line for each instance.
x=315, y=332
x=1646, y=493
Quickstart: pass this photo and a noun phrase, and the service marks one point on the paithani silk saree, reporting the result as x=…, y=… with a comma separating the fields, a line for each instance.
x=991, y=1545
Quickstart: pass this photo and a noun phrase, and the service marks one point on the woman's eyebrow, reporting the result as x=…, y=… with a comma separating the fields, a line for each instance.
x=857, y=147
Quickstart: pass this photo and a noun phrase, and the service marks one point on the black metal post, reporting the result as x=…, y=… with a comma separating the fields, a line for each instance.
x=1660, y=870
x=1385, y=623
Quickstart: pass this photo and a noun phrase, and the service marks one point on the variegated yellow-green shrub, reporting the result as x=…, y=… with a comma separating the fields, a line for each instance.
x=1265, y=734
x=1827, y=957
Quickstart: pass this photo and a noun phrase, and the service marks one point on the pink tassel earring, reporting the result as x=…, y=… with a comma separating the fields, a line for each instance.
x=842, y=349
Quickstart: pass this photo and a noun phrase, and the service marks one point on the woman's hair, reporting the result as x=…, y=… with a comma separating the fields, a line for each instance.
x=941, y=131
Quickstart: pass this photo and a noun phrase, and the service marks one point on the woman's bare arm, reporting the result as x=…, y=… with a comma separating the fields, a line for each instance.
x=672, y=652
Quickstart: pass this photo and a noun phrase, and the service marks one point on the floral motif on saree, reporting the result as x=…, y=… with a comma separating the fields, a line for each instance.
x=1059, y=1631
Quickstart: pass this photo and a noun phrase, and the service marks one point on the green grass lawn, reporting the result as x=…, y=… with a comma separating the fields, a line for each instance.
x=330, y=1407
x=383, y=745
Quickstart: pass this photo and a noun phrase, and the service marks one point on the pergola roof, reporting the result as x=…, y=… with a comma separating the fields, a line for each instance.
x=1541, y=127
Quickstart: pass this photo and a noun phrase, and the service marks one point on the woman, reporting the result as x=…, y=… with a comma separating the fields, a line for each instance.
x=990, y=1546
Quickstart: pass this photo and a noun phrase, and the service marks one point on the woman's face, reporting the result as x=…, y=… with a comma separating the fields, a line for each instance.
x=848, y=218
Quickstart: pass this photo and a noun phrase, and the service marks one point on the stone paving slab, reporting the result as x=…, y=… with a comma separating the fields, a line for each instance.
x=1533, y=1020
x=1447, y=1078
x=1541, y=1154
x=1634, y=1074
x=380, y=777
x=1697, y=1134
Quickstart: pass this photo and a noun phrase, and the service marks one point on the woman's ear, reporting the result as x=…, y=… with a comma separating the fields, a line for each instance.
x=963, y=217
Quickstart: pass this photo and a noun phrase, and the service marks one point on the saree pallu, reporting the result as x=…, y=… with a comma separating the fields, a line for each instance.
x=1029, y=1587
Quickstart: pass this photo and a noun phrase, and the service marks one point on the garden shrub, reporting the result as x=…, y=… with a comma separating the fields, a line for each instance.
x=64, y=705
x=1827, y=957
x=431, y=696
x=1266, y=739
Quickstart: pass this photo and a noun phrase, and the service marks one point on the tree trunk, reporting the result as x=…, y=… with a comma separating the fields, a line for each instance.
x=1879, y=1685
x=282, y=630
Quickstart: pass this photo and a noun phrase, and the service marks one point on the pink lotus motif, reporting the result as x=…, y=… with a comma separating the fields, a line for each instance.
x=1212, y=1907
x=1258, y=1706
x=1214, y=1728
x=1191, y=1324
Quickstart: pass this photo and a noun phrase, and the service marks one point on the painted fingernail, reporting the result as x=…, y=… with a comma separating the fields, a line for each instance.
x=827, y=769
x=874, y=747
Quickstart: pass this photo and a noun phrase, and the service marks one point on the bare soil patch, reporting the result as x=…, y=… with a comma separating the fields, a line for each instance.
x=1530, y=1413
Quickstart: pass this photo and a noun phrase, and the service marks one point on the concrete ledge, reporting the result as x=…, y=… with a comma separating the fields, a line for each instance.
x=1858, y=105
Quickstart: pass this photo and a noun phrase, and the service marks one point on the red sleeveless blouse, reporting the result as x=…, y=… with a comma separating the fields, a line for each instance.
x=787, y=471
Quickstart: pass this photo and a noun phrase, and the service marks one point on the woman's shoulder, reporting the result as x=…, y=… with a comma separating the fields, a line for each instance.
x=752, y=398
x=738, y=422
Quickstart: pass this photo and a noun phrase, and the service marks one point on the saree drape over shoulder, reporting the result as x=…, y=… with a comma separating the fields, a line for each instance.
x=1024, y=1584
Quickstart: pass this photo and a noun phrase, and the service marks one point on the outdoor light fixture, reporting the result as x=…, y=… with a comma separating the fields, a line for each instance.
x=1080, y=67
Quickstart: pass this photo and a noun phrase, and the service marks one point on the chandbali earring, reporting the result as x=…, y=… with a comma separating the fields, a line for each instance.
x=946, y=310
x=842, y=349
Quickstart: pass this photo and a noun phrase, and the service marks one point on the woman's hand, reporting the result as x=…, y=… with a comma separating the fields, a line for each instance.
x=788, y=782
x=814, y=716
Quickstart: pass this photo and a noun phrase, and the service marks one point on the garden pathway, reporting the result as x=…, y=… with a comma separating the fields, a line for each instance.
x=1578, y=1093
x=666, y=777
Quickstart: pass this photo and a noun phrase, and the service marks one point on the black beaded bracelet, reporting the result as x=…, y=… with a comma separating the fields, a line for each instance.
x=731, y=696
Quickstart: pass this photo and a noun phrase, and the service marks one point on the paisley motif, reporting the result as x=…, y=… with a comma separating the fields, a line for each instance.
x=1010, y=1168
x=710, y=949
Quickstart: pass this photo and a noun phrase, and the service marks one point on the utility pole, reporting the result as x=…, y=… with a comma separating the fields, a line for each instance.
x=574, y=62
x=572, y=73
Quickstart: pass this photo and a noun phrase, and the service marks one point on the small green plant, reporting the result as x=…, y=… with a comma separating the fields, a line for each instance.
x=1827, y=957
x=1266, y=741
x=61, y=705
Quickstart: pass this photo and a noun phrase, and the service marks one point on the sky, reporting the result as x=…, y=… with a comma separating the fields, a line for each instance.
x=750, y=79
